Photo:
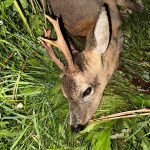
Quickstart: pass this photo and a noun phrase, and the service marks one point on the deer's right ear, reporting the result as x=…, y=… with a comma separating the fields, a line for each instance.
x=99, y=39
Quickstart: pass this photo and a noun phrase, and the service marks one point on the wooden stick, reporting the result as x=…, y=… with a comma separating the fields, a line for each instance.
x=127, y=114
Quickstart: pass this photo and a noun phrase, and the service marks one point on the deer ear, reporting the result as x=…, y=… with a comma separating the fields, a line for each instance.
x=101, y=32
x=99, y=38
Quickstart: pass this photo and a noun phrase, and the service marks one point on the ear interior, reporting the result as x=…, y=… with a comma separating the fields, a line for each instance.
x=101, y=33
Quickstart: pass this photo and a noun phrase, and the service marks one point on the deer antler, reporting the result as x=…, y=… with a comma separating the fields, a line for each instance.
x=47, y=34
x=59, y=43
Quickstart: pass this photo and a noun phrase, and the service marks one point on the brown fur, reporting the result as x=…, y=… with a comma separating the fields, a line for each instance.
x=73, y=16
x=92, y=68
x=79, y=16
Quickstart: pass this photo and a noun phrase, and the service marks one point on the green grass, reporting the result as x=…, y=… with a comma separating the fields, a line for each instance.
x=28, y=76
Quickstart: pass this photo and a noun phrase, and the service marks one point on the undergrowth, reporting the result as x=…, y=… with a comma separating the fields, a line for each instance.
x=33, y=111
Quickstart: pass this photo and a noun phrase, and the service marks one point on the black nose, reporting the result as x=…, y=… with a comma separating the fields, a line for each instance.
x=78, y=128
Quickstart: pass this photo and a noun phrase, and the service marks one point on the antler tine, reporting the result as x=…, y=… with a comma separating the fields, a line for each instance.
x=51, y=52
x=60, y=43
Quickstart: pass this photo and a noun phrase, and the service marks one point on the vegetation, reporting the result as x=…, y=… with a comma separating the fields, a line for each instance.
x=33, y=111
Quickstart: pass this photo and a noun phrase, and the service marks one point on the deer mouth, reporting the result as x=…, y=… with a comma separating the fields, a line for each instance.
x=78, y=128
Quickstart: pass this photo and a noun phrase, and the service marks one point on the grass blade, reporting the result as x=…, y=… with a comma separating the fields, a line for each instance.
x=19, y=138
x=22, y=16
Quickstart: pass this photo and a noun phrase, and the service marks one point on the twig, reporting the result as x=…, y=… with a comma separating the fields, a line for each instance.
x=127, y=114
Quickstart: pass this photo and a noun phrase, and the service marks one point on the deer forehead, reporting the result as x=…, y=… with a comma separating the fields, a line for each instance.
x=88, y=61
x=88, y=69
x=74, y=85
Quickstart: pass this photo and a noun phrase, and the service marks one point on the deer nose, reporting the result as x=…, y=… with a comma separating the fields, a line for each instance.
x=78, y=128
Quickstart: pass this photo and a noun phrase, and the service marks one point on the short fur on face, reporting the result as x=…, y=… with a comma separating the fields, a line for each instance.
x=74, y=85
x=83, y=86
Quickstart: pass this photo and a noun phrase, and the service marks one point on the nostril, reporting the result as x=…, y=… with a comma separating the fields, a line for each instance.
x=74, y=129
x=81, y=127
x=78, y=128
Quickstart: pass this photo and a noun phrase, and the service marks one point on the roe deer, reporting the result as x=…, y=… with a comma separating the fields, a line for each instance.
x=86, y=75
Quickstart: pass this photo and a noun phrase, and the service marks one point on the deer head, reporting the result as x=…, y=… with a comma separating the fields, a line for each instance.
x=85, y=78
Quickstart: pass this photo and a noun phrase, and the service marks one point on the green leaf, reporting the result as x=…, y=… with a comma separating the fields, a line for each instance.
x=3, y=124
x=100, y=140
x=19, y=138
x=24, y=3
x=22, y=16
x=140, y=100
x=145, y=143
x=32, y=90
x=103, y=142
x=7, y=3
x=4, y=133
x=89, y=128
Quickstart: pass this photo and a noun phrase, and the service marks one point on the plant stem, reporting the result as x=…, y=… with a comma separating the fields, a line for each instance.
x=22, y=16
x=127, y=114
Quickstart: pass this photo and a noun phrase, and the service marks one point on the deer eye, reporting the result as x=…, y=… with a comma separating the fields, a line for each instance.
x=87, y=92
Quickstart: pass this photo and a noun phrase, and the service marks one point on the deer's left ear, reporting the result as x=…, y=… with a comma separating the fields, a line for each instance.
x=99, y=39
